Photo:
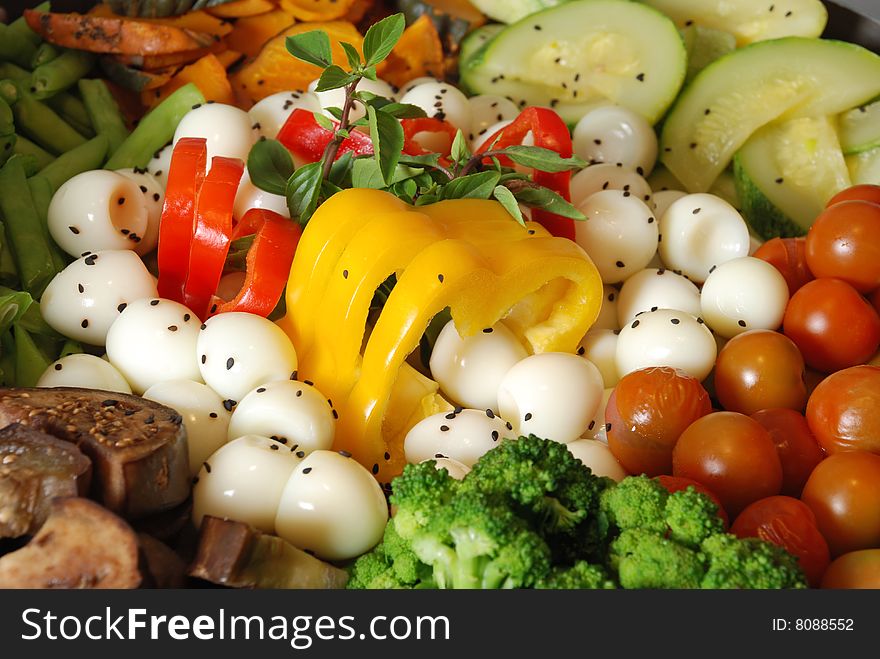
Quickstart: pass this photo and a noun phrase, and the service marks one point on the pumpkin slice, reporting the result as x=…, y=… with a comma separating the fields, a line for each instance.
x=200, y=21
x=418, y=53
x=207, y=73
x=241, y=8
x=250, y=33
x=317, y=10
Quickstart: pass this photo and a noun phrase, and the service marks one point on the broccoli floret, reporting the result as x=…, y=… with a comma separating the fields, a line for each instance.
x=645, y=559
x=692, y=517
x=637, y=502
x=418, y=494
x=477, y=542
x=749, y=563
x=580, y=576
x=391, y=564
x=548, y=487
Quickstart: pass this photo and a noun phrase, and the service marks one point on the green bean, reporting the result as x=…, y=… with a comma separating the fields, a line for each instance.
x=70, y=347
x=7, y=124
x=156, y=129
x=103, y=111
x=62, y=72
x=10, y=71
x=25, y=147
x=88, y=155
x=15, y=46
x=30, y=362
x=29, y=248
x=41, y=193
x=73, y=111
x=20, y=26
x=38, y=121
x=7, y=147
x=8, y=273
x=7, y=359
x=46, y=52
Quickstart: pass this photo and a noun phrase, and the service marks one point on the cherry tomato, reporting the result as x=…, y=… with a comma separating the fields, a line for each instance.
x=732, y=455
x=844, y=410
x=789, y=256
x=789, y=523
x=833, y=326
x=844, y=493
x=864, y=192
x=857, y=569
x=799, y=452
x=647, y=412
x=676, y=483
x=760, y=369
x=844, y=242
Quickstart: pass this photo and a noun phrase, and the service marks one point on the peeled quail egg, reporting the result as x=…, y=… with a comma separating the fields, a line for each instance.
x=615, y=134
x=598, y=457
x=83, y=370
x=442, y=101
x=607, y=176
x=600, y=347
x=656, y=288
x=227, y=129
x=463, y=435
x=269, y=114
x=455, y=468
x=607, y=318
x=154, y=197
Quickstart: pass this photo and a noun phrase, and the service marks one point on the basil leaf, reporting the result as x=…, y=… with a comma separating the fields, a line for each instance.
x=472, y=186
x=387, y=136
x=546, y=200
x=460, y=152
x=340, y=170
x=236, y=258
x=381, y=38
x=427, y=159
x=544, y=160
x=334, y=77
x=336, y=112
x=354, y=57
x=404, y=111
x=369, y=72
x=429, y=198
x=324, y=121
x=303, y=190
x=505, y=198
x=269, y=165
x=312, y=47
x=366, y=173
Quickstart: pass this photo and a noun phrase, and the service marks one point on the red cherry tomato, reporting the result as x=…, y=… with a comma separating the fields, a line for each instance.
x=844, y=242
x=844, y=493
x=844, y=410
x=733, y=455
x=789, y=256
x=832, y=325
x=760, y=369
x=789, y=523
x=647, y=412
x=676, y=483
x=799, y=452
x=857, y=569
x=864, y=192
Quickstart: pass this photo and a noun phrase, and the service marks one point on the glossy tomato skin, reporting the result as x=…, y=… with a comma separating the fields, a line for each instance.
x=789, y=256
x=832, y=325
x=864, y=192
x=798, y=450
x=844, y=494
x=676, y=483
x=844, y=242
x=844, y=410
x=646, y=414
x=789, y=523
x=857, y=569
x=760, y=369
x=731, y=454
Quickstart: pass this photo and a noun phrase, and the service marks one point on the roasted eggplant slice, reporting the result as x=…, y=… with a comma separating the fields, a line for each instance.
x=137, y=447
x=34, y=469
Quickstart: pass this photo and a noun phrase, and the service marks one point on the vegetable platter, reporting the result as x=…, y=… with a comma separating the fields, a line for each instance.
x=439, y=294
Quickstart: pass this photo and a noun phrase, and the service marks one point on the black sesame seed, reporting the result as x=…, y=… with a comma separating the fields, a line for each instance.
x=186, y=317
x=203, y=326
x=620, y=264
x=531, y=232
x=346, y=454
x=228, y=404
x=84, y=323
x=635, y=324
x=450, y=416
x=780, y=180
x=58, y=367
x=307, y=470
x=674, y=321
x=293, y=375
x=641, y=77
x=444, y=428
x=495, y=435
x=120, y=201
x=509, y=425
x=300, y=454
x=592, y=425
x=537, y=27
x=528, y=416
x=490, y=414
x=230, y=363
x=607, y=427
x=73, y=230
x=213, y=415
x=375, y=469
x=207, y=467
x=387, y=455
x=693, y=145
x=335, y=414
x=153, y=303
x=274, y=447
x=650, y=220
x=261, y=390
x=696, y=211
x=597, y=141
x=741, y=323
x=440, y=278
x=299, y=393
x=172, y=328
x=90, y=259
x=653, y=309
x=213, y=308
x=309, y=382
x=204, y=358
x=581, y=350
x=487, y=330
x=81, y=288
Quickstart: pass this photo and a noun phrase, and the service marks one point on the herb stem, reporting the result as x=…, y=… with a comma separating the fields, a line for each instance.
x=477, y=159
x=329, y=156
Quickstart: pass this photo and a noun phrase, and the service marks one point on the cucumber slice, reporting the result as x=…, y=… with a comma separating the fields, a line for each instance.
x=736, y=95
x=725, y=187
x=662, y=179
x=704, y=46
x=859, y=128
x=476, y=39
x=749, y=20
x=864, y=167
x=787, y=172
x=510, y=11
x=572, y=56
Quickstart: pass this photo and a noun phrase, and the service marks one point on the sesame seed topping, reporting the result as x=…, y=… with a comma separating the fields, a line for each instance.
x=741, y=323
x=156, y=196
x=696, y=211
x=440, y=278
x=229, y=404
x=153, y=303
x=487, y=330
x=581, y=350
x=335, y=414
x=387, y=455
x=203, y=326
x=73, y=230
x=528, y=416
x=635, y=324
x=444, y=428
x=120, y=201
x=84, y=323
x=58, y=367
x=674, y=321
x=375, y=469
x=172, y=328
x=307, y=470
x=299, y=393
x=207, y=467
x=274, y=447
x=261, y=390
x=641, y=77
x=213, y=415
x=299, y=454
x=230, y=363
x=607, y=427
x=186, y=317
x=490, y=414
x=495, y=435
x=345, y=454
x=620, y=264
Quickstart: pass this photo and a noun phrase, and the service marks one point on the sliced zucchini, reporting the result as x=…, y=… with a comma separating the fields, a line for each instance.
x=510, y=11
x=725, y=187
x=662, y=179
x=704, y=46
x=864, y=167
x=749, y=20
x=787, y=172
x=572, y=56
x=476, y=39
x=859, y=128
x=736, y=95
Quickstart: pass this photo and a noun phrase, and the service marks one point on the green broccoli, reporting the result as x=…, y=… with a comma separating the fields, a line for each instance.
x=418, y=494
x=391, y=564
x=543, y=483
x=645, y=559
x=692, y=517
x=749, y=563
x=580, y=576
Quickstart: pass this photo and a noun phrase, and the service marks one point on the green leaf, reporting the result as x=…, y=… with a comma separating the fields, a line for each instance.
x=334, y=77
x=312, y=47
x=505, y=198
x=472, y=186
x=427, y=159
x=12, y=308
x=336, y=112
x=535, y=196
x=269, y=165
x=387, y=136
x=343, y=133
x=324, y=121
x=236, y=257
x=303, y=191
x=381, y=38
x=544, y=160
x=366, y=173
x=370, y=73
x=340, y=170
x=427, y=198
x=354, y=57
x=404, y=111
x=460, y=152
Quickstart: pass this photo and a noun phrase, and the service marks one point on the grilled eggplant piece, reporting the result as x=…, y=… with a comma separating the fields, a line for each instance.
x=35, y=468
x=81, y=545
x=137, y=447
x=235, y=554
x=166, y=568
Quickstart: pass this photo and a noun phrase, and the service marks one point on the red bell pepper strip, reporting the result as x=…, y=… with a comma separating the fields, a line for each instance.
x=306, y=139
x=185, y=177
x=550, y=132
x=411, y=127
x=212, y=233
x=268, y=262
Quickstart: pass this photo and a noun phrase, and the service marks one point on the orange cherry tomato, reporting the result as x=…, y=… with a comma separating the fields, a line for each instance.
x=789, y=256
x=799, y=452
x=857, y=569
x=844, y=410
x=844, y=242
x=864, y=192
